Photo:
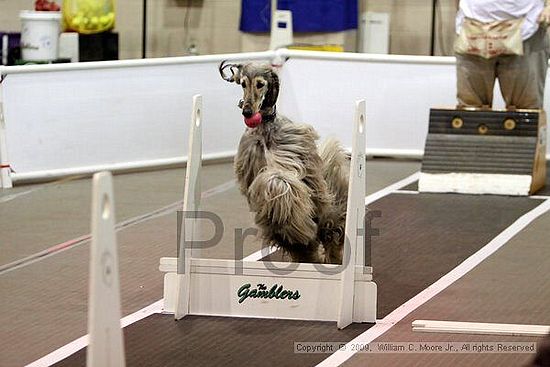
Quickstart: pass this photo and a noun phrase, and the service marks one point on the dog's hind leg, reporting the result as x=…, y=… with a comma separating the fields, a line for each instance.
x=285, y=213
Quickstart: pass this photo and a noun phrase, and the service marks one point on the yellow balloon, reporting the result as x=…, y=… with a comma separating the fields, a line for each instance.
x=104, y=20
x=89, y=16
x=75, y=22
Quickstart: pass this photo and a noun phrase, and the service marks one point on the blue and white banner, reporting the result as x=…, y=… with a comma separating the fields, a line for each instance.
x=307, y=15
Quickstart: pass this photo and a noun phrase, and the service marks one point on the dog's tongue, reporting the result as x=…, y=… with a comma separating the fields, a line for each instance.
x=254, y=120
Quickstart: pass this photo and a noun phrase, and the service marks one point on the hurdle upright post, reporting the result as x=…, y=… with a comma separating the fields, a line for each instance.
x=355, y=215
x=106, y=346
x=191, y=203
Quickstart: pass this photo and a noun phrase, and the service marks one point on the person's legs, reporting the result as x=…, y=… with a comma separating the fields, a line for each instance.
x=475, y=79
x=522, y=78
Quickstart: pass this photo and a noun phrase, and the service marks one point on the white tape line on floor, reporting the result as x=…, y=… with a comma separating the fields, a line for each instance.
x=76, y=345
x=121, y=225
x=458, y=272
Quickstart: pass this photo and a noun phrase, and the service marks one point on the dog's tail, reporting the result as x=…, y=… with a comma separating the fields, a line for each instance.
x=335, y=170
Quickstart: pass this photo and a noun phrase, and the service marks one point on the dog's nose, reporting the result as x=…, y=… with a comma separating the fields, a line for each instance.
x=247, y=112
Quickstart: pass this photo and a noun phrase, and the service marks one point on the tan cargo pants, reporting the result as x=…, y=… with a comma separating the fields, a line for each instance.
x=521, y=78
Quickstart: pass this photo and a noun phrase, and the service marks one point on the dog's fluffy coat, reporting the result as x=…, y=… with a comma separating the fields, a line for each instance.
x=297, y=190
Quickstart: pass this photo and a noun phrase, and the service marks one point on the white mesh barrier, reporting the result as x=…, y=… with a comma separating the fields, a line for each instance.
x=82, y=118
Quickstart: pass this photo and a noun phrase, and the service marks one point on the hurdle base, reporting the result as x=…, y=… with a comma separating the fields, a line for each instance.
x=309, y=291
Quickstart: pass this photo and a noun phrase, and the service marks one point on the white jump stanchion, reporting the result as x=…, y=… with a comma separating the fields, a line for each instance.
x=106, y=347
x=276, y=290
x=191, y=203
x=355, y=217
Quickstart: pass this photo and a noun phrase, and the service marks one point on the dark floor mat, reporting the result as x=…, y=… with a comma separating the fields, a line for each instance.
x=421, y=238
x=223, y=341
x=413, y=186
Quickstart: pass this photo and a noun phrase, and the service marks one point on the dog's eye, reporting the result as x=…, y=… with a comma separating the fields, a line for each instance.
x=259, y=85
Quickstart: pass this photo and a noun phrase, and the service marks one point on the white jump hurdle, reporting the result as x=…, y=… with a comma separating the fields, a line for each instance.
x=237, y=288
x=106, y=347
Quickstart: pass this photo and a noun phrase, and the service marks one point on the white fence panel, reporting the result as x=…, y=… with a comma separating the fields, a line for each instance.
x=87, y=117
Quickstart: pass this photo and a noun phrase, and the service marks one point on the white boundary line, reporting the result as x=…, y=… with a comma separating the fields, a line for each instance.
x=76, y=345
x=256, y=256
x=407, y=192
x=5, y=199
x=390, y=189
x=9, y=197
x=412, y=192
x=130, y=222
x=402, y=311
x=483, y=328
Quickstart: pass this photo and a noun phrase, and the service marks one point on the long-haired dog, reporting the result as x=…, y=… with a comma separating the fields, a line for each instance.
x=298, y=191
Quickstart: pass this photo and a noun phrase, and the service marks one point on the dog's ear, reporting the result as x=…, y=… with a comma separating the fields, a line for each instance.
x=273, y=89
x=235, y=70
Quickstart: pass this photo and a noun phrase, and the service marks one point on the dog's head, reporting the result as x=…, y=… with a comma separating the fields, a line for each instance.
x=260, y=86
